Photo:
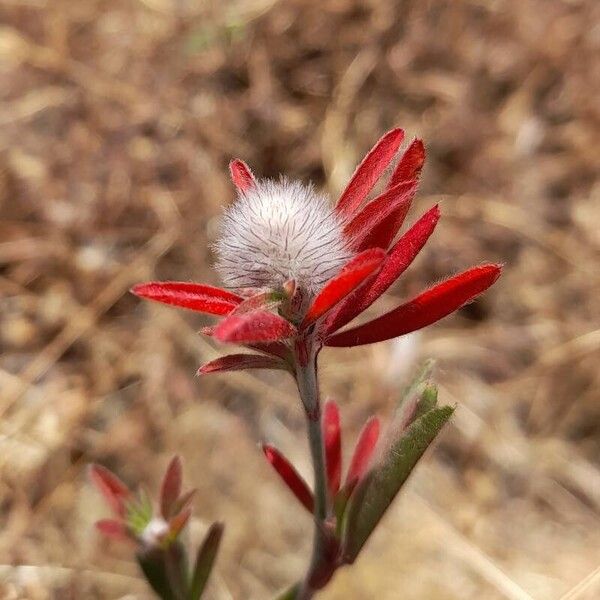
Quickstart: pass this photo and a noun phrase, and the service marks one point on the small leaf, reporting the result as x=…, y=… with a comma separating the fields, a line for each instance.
x=364, y=229
x=352, y=276
x=266, y=300
x=406, y=407
x=205, y=559
x=363, y=453
x=290, y=476
x=241, y=362
x=377, y=490
x=113, y=529
x=171, y=487
x=399, y=258
x=177, y=523
x=111, y=487
x=252, y=327
x=410, y=165
x=154, y=566
x=193, y=296
x=290, y=593
x=368, y=172
x=427, y=308
x=428, y=400
x=333, y=445
x=241, y=175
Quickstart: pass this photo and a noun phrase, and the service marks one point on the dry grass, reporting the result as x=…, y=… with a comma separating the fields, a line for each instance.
x=117, y=120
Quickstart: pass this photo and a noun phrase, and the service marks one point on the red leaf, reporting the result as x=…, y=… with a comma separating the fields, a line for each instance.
x=410, y=165
x=254, y=326
x=240, y=362
x=290, y=477
x=363, y=453
x=333, y=445
x=427, y=308
x=111, y=487
x=171, y=487
x=183, y=502
x=241, y=175
x=178, y=522
x=363, y=229
x=112, y=529
x=368, y=172
x=352, y=275
x=398, y=260
x=194, y=296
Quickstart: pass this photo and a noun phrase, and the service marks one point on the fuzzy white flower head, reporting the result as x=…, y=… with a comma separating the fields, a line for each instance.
x=155, y=532
x=280, y=230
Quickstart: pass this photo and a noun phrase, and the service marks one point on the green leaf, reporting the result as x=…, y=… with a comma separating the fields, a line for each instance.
x=406, y=408
x=377, y=490
x=428, y=400
x=423, y=376
x=153, y=565
x=290, y=594
x=205, y=560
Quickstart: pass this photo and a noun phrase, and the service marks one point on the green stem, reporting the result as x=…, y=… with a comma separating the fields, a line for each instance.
x=306, y=378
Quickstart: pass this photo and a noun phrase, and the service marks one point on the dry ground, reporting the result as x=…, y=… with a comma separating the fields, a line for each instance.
x=117, y=120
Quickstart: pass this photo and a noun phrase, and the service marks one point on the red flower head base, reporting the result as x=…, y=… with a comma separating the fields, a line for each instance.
x=296, y=267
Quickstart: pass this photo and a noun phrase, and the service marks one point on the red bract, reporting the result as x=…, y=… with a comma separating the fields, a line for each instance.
x=135, y=518
x=241, y=175
x=332, y=437
x=194, y=296
x=254, y=326
x=363, y=453
x=290, y=477
x=370, y=229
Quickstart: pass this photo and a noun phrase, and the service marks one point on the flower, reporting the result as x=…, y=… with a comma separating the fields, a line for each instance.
x=277, y=231
x=134, y=517
x=298, y=267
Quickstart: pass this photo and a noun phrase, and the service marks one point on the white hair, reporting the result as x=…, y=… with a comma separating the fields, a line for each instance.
x=280, y=230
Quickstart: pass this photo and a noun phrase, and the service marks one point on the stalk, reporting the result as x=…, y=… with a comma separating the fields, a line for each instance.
x=306, y=378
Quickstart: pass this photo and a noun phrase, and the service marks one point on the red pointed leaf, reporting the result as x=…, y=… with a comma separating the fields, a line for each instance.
x=241, y=175
x=290, y=477
x=410, y=164
x=171, y=487
x=264, y=300
x=194, y=296
x=252, y=327
x=333, y=445
x=241, y=362
x=178, y=522
x=363, y=453
x=352, y=276
x=112, y=529
x=183, y=502
x=369, y=171
x=111, y=487
x=427, y=308
x=398, y=260
x=390, y=207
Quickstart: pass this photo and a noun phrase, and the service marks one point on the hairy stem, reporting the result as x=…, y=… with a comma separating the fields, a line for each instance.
x=306, y=378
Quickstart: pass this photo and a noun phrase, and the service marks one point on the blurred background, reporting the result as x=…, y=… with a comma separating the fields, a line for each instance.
x=117, y=121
